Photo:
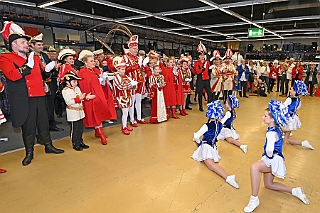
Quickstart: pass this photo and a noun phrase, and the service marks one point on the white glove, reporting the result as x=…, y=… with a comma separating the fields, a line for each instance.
x=102, y=81
x=211, y=67
x=104, y=75
x=50, y=66
x=30, y=62
x=140, y=61
x=175, y=71
x=145, y=61
x=110, y=77
x=133, y=83
x=205, y=65
x=187, y=79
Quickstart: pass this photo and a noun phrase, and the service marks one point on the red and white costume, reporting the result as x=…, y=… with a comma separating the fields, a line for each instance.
x=218, y=73
x=135, y=72
x=2, y=118
x=186, y=77
x=122, y=88
x=158, y=107
x=65, y=68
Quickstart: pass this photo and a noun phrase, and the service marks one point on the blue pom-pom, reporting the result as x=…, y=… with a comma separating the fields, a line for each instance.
x=300, y=87
x=279, y=112
x=233, y=101
x=215, y=110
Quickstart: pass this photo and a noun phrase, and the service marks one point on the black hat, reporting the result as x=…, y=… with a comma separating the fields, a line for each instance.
x=71, y=76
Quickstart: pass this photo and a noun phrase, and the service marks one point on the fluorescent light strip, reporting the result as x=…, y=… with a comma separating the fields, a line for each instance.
x=132, y=18
x=237, y=16
x=119, y=6
x=50, y=3
x=299, y=18
x=17, y=2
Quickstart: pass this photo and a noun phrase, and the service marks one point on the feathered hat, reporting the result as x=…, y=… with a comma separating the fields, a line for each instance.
x=52, y=49
x=201, y=48
x=215, y=55
x=84, y=53
x=153, y=54
x=228, y=54
x=64, y=53
x=71, y=76
x=233, y=101
x=133, y=41
x=300, y=87
x=12, y=31
x=98, y=52
x=215, y=110
x=279, y=112
x=119, y=62
x=183, y=59
x=37, y=38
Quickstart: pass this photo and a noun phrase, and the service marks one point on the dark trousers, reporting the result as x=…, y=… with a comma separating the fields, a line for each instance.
x=279, y=79
x=50, y=109
x=244, y=88
x=203, y=84
x=284, y=85
x=76, y=131
x=266, y=80
x=310, y=86
x=271, y=84
x=37, y=117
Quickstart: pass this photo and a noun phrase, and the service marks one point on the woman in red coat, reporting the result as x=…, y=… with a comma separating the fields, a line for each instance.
x=169, y=91
x=96, y=110
x=297, y=72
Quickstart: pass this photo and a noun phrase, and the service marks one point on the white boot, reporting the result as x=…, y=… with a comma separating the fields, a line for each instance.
x=298, y=192
x=244, y=148
x=231, y=179
x=253, y=204
x=306, y=144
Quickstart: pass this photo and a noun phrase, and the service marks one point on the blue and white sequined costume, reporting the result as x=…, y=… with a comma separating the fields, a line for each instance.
x=272, y=155
x=293, y=105
x=228, y=130
x=207, y=146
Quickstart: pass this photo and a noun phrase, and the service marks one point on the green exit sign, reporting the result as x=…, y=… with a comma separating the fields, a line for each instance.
x=255, y=32
x=317, y=56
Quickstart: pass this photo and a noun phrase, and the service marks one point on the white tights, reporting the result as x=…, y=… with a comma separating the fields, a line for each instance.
x=136, y=103
x=124, y=117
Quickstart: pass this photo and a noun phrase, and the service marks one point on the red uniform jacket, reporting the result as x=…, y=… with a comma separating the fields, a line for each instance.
x=23, y=82
x=96, y=110
x=202, y=68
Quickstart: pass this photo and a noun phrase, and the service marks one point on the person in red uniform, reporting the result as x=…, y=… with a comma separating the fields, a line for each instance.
x=170, y=97
x=202, y=71
x=273, y=75
x=135, y=72
x=96, y=110
x=25, y=75
x=186, y=79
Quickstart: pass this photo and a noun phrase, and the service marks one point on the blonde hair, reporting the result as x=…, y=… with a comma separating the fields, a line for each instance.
x=85, y=58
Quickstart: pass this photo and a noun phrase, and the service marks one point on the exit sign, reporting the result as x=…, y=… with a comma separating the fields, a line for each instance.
x=317, y=56
x=255, y=32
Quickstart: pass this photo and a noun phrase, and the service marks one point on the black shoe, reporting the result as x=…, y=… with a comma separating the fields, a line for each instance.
x=277, y=90
x=191, y=102
x=57, y=122
x=83, y=145
x=77, y=147
x=245, y=96
x=200, y=108
x=56, y=129
x=188, y=108
x=54, y=150
x=27, y=160
x=59, y=115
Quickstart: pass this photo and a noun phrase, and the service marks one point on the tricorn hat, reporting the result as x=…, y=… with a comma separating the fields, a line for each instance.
x=12, y=31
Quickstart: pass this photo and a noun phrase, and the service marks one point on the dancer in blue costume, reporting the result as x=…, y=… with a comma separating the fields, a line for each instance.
x=272, y=161
x=293, y=103
x=228, y=132
x=207, y=150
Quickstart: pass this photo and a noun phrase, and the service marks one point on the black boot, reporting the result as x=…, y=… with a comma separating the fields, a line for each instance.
x=77, y=147
x=201, y=108
x=49, y=148
x=28, y=143
x=39, y=141
x=83, y=145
